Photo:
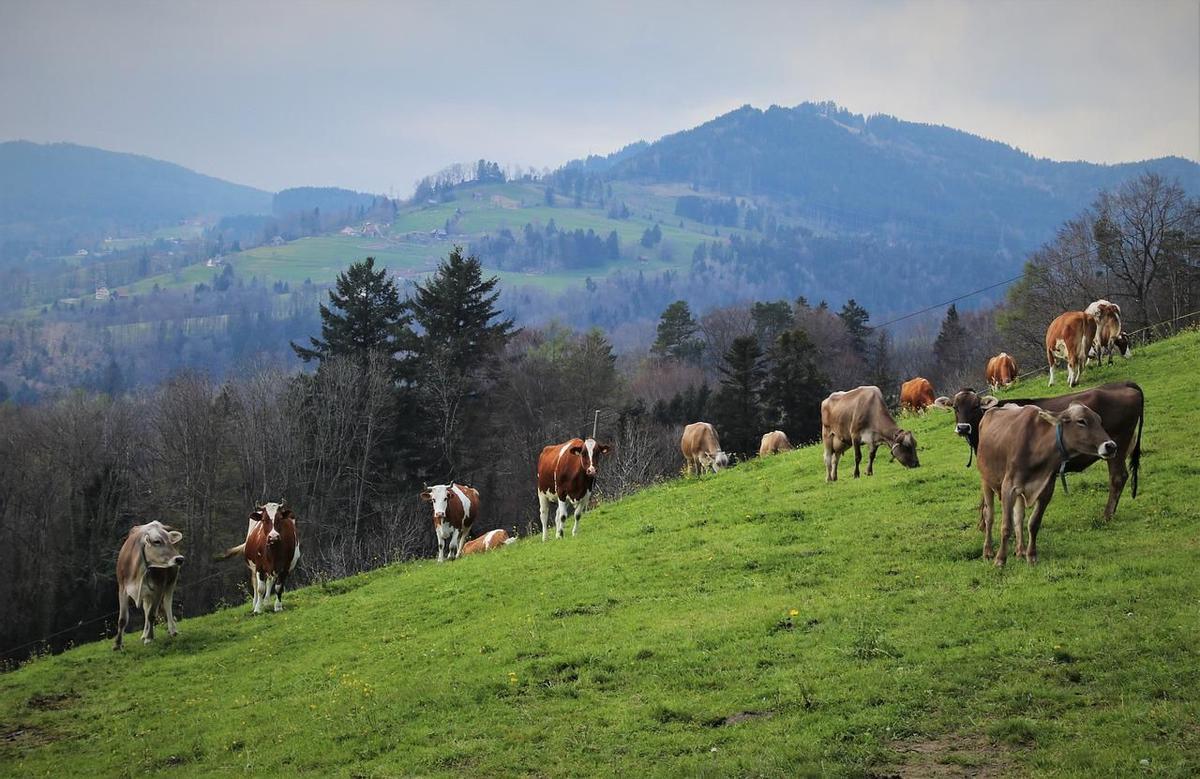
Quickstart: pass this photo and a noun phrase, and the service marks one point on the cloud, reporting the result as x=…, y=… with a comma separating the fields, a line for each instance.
x=374, y=95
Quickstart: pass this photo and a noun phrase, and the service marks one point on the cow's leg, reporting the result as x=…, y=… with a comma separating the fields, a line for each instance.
x=560, y=518
x=122, y=618
x=452, y=546
x=1020, y=509
x=827, y=446
x=149, y=608
x=169, y=609
x=1008, y=497
x=260, y=591
x=462, y=540
x=1050, y=360
x=1035, y=523
x=280, y=578
x=1118, y=474
x=544, y=511
x=871, y=460
x=837, y=459
x=987, y=514
x=857, y=457
x=579, y=508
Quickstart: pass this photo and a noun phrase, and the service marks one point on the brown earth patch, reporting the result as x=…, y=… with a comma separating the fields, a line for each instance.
x=49, y=701
x=947, y=756
x=743, y=716
x=18, y=737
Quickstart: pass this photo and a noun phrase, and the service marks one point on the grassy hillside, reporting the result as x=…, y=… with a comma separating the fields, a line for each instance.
x=483, y=209
x=759, y=622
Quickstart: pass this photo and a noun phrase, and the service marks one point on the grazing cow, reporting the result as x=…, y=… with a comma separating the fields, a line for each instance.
x=702, y=449
x=1001, y=371
x=1121, y=406
x=1068, y=338
x=774, y=442
x=857, y=417
x=565, y=475
x=271, y=551
x=1109, y=335
x=455, y=507
x=1022, y=451
x=488, y=541
x=147, y=571
x=916, y=394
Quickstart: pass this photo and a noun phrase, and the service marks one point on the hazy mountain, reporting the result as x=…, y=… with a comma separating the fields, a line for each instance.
x=62, y=187
x=865, y=172
x=326, y=199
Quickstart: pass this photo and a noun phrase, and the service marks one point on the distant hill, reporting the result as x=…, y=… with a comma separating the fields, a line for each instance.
x=64, y=187
x=327, y=199
x=866, y=172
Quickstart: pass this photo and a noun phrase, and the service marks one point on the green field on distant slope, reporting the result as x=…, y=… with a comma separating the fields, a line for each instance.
x=485, y=209
x=759, y=622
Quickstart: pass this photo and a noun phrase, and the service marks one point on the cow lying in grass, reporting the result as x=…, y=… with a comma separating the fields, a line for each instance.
x=488, y=541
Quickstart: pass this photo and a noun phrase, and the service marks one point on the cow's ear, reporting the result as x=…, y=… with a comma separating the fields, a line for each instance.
x=989, y=401
x=175, y=536
x=603, y=448
x=576, y=450
x=943, y=402
x=256, y=516
x=427, y=496
x=1047, y=416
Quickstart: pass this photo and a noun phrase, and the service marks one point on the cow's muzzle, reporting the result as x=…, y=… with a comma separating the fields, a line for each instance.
x=963, y=428
x=177, y=560
x=591, y=471
x=1107, y=450
x=273, y=537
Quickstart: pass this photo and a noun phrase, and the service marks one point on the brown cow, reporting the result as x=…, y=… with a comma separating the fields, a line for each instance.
x=488, y=541
x=702, y=449
x=147, y=571
x=1001, y=371
x=271, y=551
x=916, y=394
x=774, y=442
x=455, y=508
x=1069, y=337
x=1109, y=335
x=1121, y=406
x=857, y=417
x=565, y=474
x=1022, y=451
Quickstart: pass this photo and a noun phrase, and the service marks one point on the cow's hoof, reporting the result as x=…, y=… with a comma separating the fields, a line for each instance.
x=1032, y=560
x=147, y=641
x=998, y=562
x=116, y=647
x=278, y=608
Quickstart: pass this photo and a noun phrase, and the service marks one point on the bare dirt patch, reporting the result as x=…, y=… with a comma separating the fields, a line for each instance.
x=53, y=700
x=948, y=756
x=19, y=737
x=742, y=716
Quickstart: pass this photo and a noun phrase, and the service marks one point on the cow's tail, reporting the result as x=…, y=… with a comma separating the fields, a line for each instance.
x=1135, y=460
x=231, y=552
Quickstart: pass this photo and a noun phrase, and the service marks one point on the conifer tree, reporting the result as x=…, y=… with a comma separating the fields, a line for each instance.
x=795, y=387
x=738, y=403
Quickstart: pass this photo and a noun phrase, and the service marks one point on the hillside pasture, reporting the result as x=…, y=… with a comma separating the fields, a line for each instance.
x=757, y=622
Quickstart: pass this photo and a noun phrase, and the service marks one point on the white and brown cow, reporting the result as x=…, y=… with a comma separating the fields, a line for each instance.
x=271, y=551
x=1069, y=337
x=1022, y=451
x=859, y=417
x=774, y=442
x=702, y=449
x=1001, y=371
x=488, y=541
x=565, y=475
x=147, y=572
x=455, y=509
x=1109, y=335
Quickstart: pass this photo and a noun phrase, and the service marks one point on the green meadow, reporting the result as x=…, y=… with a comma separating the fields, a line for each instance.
x=755, y=623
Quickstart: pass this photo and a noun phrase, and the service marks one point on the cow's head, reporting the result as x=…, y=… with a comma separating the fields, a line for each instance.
x=1082, y=431
x=1124, y=344
x=271, y=515
x=904, y=449
x=439, y=496
x=158, y=546
x=590, y=454
x=968, y=408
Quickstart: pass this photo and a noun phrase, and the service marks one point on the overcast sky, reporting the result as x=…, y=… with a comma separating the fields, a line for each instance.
x=374, y=95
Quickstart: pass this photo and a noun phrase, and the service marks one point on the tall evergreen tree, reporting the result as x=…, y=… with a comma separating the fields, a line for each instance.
x=795, y=387
x=457, y=353
x=677, y=330
x=951, y=344
x=365, y=316
x=737, y=405
x=855, y=319
x=881, y=372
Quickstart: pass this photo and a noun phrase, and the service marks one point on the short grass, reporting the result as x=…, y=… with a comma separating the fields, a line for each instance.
x=760, y=622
